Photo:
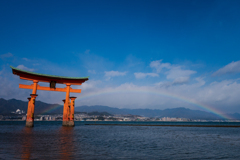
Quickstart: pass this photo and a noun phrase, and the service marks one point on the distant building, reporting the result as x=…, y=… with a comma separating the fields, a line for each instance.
x=126, y=119
x=18, y=111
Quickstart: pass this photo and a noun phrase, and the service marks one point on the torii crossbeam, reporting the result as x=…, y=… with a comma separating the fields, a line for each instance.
x=68, y=108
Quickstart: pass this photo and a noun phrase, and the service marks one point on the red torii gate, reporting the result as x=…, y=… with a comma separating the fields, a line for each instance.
x=68, y=108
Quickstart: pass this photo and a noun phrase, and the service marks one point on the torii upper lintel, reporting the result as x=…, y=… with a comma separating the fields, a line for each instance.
x=26, y=75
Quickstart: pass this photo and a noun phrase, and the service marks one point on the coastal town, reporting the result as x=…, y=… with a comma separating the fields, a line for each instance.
x=19, y=115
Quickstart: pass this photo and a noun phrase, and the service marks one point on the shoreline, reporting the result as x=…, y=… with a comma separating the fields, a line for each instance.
x=160, y=125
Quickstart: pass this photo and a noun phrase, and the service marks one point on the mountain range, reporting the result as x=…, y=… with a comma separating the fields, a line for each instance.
x=9, y=106
x=173, y=112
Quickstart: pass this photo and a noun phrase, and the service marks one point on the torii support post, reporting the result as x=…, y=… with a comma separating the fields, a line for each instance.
x=30, y=112
x=69, y=112
x=31, y=105
x=29, y=120
x=67, y=109
x=72, y=110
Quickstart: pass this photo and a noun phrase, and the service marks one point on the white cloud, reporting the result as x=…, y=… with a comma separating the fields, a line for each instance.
x=9, y=87
x=24, y=68
x=219, y=95
x=1, y=72
x=114, y=73
x=174, y=72
x=6, y=55
x=140, y=75
x=90, y=84
x=233, y=67
x=177, y=72
x=95, y=62
x=92, y=71
x=159, y=66
x=177, y=81
x=26, y=59
x=110, y=74
x=181, y=80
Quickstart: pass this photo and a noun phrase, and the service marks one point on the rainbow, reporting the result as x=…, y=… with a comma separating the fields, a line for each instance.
x=147, y=91
x=52, y=108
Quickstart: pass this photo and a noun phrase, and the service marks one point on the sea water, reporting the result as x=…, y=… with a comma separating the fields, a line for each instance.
x=49, y=140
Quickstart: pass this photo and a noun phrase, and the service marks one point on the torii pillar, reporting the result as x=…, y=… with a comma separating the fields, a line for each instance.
x=72, y=110
x=68, y=112
x=66, y=107
x=31, y=106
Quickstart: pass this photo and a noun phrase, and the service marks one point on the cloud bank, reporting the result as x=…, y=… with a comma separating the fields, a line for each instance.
x=24, y=68
x=166, y=83
x=233, y=67
x=110, y=74
x=6, y=55
x=140, y=75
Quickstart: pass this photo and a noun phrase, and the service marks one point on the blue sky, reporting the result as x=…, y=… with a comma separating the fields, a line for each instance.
x=185, y=48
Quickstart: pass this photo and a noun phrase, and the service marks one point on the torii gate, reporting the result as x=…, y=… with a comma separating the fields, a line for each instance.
x=68, y=108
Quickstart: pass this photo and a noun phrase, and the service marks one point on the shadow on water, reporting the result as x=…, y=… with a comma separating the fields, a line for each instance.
x=27, y=143
x=66, y=142
x=42, y=144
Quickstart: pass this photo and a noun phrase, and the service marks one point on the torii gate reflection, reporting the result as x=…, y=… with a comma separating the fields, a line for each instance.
x=68, y=108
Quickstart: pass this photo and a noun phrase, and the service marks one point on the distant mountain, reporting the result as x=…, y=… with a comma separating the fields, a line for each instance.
x=99, y=113
x=174, y=112
x=8, y=106
x=234, y=115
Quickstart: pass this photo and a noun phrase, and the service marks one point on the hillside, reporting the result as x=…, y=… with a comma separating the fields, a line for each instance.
x=174, y=112
x=8, y=106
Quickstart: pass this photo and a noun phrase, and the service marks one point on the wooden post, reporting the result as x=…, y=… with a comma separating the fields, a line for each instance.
x=69, y=109
x=30, y=113
x=31, y=105
x=35, y=84
x=72, y=110
x=65, y=107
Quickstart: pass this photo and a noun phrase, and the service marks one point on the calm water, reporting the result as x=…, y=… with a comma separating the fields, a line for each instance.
x=51, y=140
